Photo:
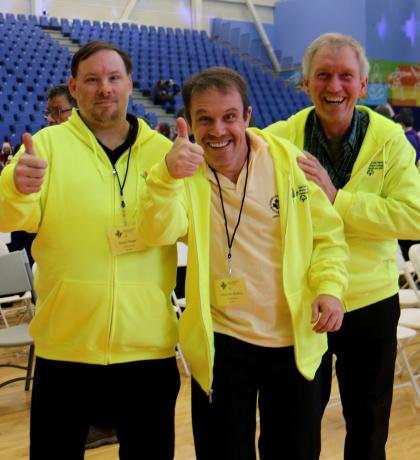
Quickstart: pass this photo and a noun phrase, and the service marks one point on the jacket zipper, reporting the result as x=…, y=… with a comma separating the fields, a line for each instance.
x=210, y=395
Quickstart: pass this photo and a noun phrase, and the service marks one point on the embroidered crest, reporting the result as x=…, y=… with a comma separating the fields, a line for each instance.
x=275, y=206
x=374, y=166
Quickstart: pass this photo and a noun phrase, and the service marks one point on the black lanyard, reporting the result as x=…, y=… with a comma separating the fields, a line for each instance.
x=121, y=186
x=230, y=240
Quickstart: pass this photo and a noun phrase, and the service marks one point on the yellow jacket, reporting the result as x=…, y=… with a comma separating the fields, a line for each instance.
x=315, y=253
x=92, y=307
x=380, y=203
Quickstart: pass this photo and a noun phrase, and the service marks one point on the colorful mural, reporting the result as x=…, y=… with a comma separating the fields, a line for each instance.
x=402, y=80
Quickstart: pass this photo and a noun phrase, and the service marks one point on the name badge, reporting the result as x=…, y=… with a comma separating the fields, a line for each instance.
x=124, y=239
x=230, y=291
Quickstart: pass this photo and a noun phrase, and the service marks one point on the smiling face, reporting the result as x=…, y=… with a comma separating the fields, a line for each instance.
x=102, y=88
x=218, y=124
x=334, y=85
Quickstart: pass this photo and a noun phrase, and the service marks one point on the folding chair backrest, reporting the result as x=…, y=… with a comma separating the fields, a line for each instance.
x=414, y=255
x=3, y=248
x=15, y=274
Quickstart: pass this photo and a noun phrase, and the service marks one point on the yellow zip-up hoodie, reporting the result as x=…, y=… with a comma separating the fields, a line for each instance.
x=314, y=256
x=92, y=307
x=380, y=203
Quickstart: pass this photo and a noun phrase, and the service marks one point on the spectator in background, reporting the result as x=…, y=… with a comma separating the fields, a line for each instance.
x=172, y=89
x=384, y=110
x=165, y=129
x=158, y=93
x=59, y=104
x=5, y=153
x=406, y=119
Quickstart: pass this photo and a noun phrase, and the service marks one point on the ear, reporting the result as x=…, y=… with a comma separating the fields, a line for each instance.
x=306, y=86
x=72, y=87
x=363, y=88
x=131, y=84
x=248, y=116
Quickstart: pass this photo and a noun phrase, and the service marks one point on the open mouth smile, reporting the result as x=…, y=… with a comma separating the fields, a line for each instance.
x=334, y=100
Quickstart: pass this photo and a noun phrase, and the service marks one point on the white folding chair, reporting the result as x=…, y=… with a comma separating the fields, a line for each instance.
x=3, y=248
x=20, y=299
x=409, y=295
x=15, y=278
x=405, y=336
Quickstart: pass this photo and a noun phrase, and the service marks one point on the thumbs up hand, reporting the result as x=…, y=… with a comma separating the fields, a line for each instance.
x=185, y=157
x=30, y=170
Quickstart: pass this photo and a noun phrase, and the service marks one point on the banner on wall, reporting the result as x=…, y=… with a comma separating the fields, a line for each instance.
x=377, y=94
x=401, y=79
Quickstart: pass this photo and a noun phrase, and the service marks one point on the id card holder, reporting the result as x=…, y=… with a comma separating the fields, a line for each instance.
x=230, y=291
x=124, y=239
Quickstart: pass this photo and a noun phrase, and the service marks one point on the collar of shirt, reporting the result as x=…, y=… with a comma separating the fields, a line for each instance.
x=317, y=144
x=131, y=138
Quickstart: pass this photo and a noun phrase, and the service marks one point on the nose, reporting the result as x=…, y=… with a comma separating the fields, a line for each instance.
x=218, y=128
x=334, y=83
x=105, y=88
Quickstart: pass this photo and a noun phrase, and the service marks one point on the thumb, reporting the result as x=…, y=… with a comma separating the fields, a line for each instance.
x=29, y=146
x=182, y=128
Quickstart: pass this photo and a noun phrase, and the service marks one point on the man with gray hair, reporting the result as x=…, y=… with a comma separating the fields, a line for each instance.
x=366, y=167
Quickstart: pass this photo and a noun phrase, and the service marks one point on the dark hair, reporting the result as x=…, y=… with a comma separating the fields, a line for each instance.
x=164, y=129
x=405, y=117
x=220, y=78
x=59, y=90
x=383, y=110
x=94, y=47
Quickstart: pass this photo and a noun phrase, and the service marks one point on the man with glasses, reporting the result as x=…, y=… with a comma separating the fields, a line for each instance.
x=59, y=104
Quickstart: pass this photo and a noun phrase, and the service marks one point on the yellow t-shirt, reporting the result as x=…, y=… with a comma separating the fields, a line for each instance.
x=256, y=253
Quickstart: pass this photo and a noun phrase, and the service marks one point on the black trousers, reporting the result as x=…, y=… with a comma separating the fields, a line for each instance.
x=365, y=348
x=246, y=375
x=138, y=398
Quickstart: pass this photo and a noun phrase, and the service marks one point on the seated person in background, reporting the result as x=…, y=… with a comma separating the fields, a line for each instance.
x=172, y=89
x=158, y=93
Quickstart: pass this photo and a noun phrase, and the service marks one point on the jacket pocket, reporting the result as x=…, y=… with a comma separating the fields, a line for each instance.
x=75, y=313
x=144, y=319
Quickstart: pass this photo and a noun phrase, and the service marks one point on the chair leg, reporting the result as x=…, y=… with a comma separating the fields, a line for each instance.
x=30, y=367
x=407, y=366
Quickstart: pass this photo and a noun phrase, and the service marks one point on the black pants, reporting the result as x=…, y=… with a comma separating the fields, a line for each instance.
x=138, y=398
x=365, y=348
x=289, y=406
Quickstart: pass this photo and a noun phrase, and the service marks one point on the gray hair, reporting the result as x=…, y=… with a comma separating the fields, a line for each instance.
x=335, y=40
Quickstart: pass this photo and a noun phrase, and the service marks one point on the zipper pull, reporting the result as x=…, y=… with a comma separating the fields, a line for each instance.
x=211, y=395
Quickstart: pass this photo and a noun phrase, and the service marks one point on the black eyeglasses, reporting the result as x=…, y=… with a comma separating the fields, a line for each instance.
x=55, y=113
